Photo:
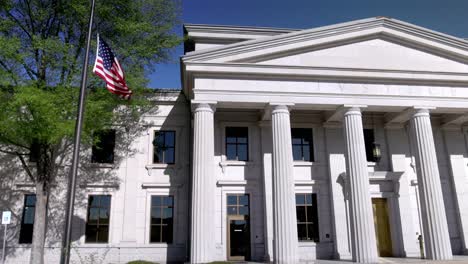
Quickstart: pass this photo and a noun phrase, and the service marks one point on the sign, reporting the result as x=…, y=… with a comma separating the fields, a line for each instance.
x=6, y=217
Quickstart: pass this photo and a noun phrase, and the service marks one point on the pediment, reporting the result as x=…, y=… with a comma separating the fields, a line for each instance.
x=376, y=43
x=378, y=53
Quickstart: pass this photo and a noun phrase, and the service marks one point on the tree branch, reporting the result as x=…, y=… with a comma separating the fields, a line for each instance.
x=26, y=168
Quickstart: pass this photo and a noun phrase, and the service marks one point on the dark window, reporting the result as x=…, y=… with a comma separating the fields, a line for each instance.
x=103, y=147
x=164, y=147
x=238, y=204
x=162, y=215
x=302, y=145
x=34, y=151
x=97, y=225
x=237, y=143
x=369, y=143
x=27, y=221
x=307, y=219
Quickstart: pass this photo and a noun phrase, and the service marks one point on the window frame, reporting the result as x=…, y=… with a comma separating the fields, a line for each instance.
x=161, y=207
x=97, y=225
x=154, y=132
x=94, y=160
x=315, y=224
x=236, y=143
x=20, y=241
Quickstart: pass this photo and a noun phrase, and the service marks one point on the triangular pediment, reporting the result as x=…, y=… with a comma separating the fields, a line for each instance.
x=378, y=53
x=376, y=43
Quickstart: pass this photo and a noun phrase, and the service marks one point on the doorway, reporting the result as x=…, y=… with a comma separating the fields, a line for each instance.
x=238, y=227
x=382, y=227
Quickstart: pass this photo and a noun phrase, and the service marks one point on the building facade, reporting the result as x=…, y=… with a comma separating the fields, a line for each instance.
x=339, y=142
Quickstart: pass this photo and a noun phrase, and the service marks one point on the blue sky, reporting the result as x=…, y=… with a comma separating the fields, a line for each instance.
x=449, y=16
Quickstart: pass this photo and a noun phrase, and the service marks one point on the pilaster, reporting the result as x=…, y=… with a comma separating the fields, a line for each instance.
x=435, y=230
x=363, y=241
x=285, y=243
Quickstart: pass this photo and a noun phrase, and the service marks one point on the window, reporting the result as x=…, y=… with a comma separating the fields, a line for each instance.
x=302, y=144
x=162, y=214
x=34, y=151
x=238, y=204
x=103, y=147
x=164, y=147
x=97, y=225
x=369, y=143
x=27, y=221
x=307, y=219
x=237, y=143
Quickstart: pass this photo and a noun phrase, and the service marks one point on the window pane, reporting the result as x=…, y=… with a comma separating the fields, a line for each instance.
x=231, y=140
x=167, y=233
x=232, y=210
x=167, y=216
x=103, y=216
x=156, y=215
x=232, y=199
x=155, y=200
x=93, y=201
x=93, y=215
x=28, y=217
x=297, y=152
x=231, y=152
x=155, y=233
x=300, y=199
x=157, y=155
x=167, y=201
x=242, y=152
x=368, y=142
x=242, y=140
x=244, y=210
x=103, y=234
x=105, y=201
x=170, y=139
x=306, y=153
x=301, y=214
x=309, y=198
x=169, y=156
x=244, y=200
x=158, y=140
x=91, y=233
x=26, y=233
x=30, y=200
x=313, y=232
x=302, y=232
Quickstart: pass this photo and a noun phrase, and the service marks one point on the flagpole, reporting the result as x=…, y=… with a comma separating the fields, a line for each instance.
x=65, y=254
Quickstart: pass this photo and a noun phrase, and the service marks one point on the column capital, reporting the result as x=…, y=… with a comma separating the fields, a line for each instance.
x=353, y=109
x=207, y=106
x=280, y=107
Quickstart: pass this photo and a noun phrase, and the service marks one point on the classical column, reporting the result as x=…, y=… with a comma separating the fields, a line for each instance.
x=203, y=186
x=285, y=244
x=363, y=241
x=435, y=230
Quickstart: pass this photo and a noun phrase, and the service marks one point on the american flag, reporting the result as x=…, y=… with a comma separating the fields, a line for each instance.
x=108, y=68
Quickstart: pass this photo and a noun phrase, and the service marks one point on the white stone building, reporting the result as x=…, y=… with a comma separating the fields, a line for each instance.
x=339, y=142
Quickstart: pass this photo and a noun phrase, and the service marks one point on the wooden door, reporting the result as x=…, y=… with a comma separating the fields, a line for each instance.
x=382, y=227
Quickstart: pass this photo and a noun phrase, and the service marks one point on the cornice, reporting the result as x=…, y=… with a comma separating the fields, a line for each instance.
x=307, y=73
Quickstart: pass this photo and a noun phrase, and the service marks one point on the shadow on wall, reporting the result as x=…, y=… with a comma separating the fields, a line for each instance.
x=14, y=184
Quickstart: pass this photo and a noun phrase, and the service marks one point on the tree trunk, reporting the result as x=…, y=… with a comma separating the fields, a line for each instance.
x=40, y=223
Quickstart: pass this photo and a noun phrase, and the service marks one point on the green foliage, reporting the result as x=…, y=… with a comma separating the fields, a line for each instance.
x=42, y=44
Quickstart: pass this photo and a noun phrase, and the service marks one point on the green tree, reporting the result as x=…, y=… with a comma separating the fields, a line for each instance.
x=41, y=52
